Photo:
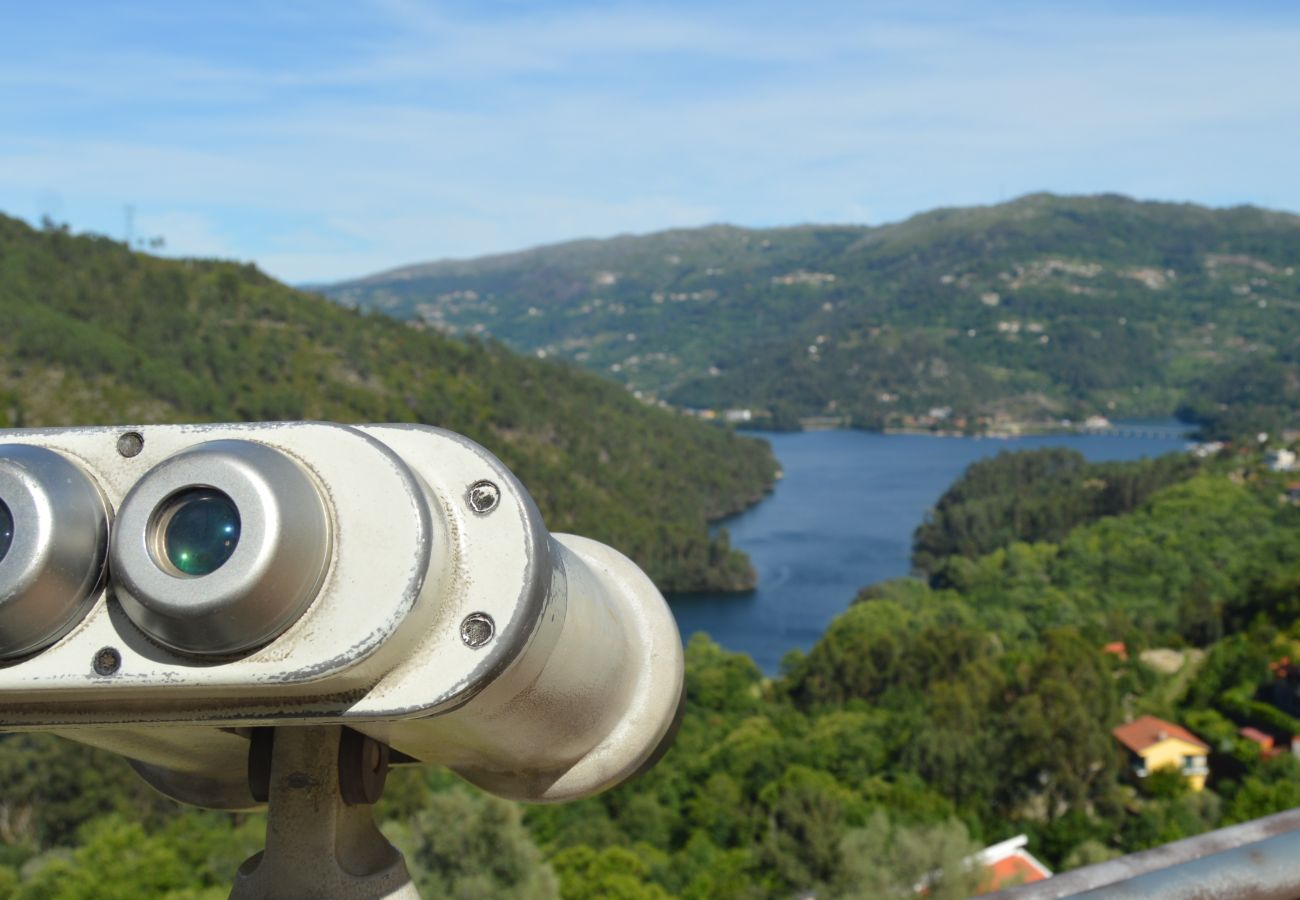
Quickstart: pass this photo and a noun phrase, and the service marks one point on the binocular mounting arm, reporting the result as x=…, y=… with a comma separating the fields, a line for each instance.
x=321, y=837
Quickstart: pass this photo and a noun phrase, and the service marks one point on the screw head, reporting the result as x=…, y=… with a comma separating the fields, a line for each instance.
x=107, y=661
x=483, y=497
x=477, y=629
x=130, y=443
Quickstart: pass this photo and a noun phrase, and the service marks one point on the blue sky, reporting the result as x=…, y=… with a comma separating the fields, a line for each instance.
x=325, y=139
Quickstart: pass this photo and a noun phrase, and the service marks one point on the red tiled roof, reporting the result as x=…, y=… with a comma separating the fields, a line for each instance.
x=1259, y=737
x=1142, y=733
x=1013, y=870
x=1009, y=863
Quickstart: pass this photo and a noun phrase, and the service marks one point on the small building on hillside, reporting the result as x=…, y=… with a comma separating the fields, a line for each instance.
x=1281, y=460
x=1008, y=864
x=1002, y=865
x=1265, y=742
x=1156, y=744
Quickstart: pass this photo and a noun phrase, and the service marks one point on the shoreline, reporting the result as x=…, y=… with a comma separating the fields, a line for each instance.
x=1138, y=428
x=843, y=518
x=1119, y=428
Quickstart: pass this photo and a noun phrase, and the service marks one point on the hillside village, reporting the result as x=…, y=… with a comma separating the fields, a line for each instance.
x=989, y=320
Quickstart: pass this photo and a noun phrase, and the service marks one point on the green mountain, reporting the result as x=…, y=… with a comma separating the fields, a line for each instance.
x=93, y=333
x=1041, y=308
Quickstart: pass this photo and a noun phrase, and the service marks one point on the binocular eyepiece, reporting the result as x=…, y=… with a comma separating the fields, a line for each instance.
x=53, y=545
x=219, y=548
x=166, y=591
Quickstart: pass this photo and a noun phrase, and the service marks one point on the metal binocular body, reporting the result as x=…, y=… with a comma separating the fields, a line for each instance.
x=169, y=592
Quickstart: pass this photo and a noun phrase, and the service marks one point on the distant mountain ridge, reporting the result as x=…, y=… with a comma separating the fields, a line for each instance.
x=93, y=333
x=1041, y=308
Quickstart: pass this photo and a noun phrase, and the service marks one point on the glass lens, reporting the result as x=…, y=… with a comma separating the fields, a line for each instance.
x=6, y=529
x=201, y=529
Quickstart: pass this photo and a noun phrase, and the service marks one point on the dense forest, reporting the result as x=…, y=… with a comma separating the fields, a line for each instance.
x=1035, y=496
x=928, y=721
x=93, y=333
x=962, y=319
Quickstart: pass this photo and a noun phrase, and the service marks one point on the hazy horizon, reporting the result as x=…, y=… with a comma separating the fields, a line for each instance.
x=580, y=238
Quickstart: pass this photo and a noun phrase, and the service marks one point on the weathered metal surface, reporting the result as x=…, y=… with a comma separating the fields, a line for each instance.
x=52, y=566
x=317, y=844
x=384, y=544
x=275, y=570
x=1256, y=860
x=448, y=625
x=483, y=497
x=592, y=658
x=1266, y=870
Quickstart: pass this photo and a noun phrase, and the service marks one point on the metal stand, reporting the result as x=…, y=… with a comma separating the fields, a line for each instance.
x=321, y=837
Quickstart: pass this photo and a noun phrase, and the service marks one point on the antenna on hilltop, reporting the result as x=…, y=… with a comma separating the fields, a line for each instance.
x=129, y=215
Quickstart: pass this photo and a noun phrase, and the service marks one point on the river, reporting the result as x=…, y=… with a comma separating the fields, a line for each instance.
x=843, y=517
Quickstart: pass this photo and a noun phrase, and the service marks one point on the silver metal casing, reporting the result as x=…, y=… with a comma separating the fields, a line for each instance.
x=50, y=574
x=447, y=623
x=276, y=568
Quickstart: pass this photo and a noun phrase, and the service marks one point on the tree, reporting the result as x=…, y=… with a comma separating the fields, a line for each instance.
x=466, y=845
x=883, y=859
x=191, y=857
x=809, y=812
x=615, y=873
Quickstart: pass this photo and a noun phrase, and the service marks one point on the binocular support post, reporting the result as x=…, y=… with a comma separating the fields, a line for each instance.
x=320, y=782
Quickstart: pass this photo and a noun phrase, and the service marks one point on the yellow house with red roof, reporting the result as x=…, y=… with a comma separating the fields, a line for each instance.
x=1156, y=744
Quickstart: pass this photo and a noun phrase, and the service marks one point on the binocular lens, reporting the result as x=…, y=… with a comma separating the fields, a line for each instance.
x=220, y=547
x=200, y=529
x=6, y=529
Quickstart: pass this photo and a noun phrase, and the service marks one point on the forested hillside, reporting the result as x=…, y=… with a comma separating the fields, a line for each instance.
x=926, y=723
x=1035, y=495
x=92, y=333
x=1042, y=308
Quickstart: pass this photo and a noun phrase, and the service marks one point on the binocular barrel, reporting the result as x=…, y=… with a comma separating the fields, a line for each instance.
x=166, y=590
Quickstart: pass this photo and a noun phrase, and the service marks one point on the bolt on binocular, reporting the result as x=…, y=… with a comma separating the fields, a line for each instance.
x=168, y=591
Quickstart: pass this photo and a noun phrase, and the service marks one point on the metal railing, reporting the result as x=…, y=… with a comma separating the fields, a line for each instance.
x=1256, y=860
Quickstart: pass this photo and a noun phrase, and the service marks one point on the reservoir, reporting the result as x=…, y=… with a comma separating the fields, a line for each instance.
x=842, y=518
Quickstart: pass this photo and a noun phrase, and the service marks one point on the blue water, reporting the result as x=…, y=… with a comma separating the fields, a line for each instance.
x=843, y=517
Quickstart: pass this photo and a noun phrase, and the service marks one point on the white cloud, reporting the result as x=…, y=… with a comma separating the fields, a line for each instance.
x=443, y=134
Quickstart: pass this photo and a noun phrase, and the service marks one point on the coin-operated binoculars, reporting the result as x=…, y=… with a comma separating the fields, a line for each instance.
x=276, y=613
